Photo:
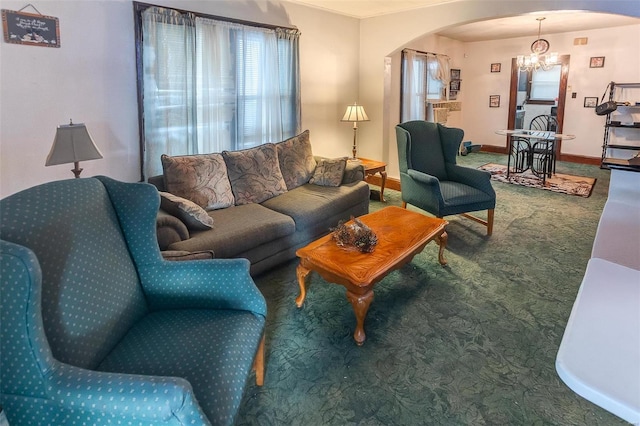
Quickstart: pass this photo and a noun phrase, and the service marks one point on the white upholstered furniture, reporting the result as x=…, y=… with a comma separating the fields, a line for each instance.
x=599, y=357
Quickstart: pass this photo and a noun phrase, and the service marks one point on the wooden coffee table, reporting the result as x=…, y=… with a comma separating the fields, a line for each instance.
x=401, y=235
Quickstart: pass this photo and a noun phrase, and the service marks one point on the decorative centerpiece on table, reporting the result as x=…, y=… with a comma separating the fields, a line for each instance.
x=355, y=235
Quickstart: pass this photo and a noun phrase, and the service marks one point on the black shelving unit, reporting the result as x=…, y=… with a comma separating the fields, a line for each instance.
x=611, y=159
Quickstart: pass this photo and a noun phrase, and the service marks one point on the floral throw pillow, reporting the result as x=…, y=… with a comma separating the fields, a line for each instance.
x=199, y=178
x=296, y=160
x=187, y=211
x=329, y=172
x=254, y=174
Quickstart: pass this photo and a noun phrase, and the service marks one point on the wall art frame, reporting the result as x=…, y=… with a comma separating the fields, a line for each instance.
x=596, y=62
x=494, y=101
x=30, y=28
x=496, y=67
x=590, y=101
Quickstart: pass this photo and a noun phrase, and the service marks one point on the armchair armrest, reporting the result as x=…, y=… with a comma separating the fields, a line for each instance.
x=423, y=178
x=122, y=396
x=478, y=179
x=202, y=284
x=421, y=189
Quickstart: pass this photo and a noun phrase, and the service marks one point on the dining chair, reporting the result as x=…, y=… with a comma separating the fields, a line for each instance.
x=543, y=151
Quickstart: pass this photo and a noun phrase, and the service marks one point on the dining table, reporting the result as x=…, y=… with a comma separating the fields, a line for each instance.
x=527, y=146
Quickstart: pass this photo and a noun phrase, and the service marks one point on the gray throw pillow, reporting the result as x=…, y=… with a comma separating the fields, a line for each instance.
x=200, y=178
x=187, y=211
x=296, y=160
x=254, y=174
x=329, y=172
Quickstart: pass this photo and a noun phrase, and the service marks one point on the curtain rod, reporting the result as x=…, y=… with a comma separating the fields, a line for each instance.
x=139, y=6
x=424, y=53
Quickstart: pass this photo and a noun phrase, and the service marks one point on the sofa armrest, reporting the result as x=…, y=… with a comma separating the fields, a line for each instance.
x=353, y=172
x=158, y=182
x=202, y=284
x=169, y=230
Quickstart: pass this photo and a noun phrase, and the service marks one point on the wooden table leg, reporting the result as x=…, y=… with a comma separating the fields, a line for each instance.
x=442, y=242
x=382, y=184
x=301, y=273
x=360, y=303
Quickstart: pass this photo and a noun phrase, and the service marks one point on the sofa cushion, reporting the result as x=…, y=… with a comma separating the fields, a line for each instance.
x=194, y=216
x=310, y=204
x=238, y=229
x=329, y=172
x=200, y=178
x=254, y=173
x=296, y=159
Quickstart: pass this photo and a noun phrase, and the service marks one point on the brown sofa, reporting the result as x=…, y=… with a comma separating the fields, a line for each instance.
x=267, y=222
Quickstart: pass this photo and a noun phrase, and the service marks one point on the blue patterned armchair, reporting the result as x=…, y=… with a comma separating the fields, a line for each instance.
x=96, y=328
x=431, y=180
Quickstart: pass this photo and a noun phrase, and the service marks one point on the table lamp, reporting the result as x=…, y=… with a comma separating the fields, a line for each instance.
x=355, y=113
x=72, y=144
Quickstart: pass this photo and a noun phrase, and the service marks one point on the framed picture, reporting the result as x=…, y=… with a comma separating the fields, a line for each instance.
x=596, y=62
x=454, y=85
x=494, y=101
x=455, y=74
x=496, y=67
x=590, y=102
x=30, y=29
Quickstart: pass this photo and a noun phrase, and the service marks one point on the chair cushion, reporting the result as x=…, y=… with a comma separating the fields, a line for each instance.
x=457, y=194
x=74, y=231
x=255, y=173
x=426, y=149
x=296, y=159
x=199, y=178
x=213, y=350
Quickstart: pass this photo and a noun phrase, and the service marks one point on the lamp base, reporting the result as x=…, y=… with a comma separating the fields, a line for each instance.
x=76, y=169
x=354, y=160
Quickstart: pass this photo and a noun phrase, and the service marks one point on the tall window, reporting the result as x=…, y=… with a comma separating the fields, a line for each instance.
x=424, y=76
x=208, y=85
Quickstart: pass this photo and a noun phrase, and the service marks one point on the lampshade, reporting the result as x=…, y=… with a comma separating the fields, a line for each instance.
x=355, y=112
x=72, y=144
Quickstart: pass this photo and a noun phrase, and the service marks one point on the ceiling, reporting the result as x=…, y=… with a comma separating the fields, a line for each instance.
x=501, y=28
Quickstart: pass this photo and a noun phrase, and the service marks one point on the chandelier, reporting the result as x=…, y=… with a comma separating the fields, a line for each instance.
x=539, y=58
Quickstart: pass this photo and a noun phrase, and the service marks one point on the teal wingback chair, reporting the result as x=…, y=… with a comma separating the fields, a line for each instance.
x=431, y=180
x=96, y=328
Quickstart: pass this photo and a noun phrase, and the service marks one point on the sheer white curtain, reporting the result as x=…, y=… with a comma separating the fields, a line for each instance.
x=169, y=91
x=424, y=76
x=215, y=86
x=414, y=83
x=230, y=86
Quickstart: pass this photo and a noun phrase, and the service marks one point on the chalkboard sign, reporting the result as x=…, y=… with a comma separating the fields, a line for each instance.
x=29, y=28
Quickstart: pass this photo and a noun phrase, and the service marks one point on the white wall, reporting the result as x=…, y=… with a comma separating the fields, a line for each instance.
x=381, y=37
x=91, y=78
x=622, y=64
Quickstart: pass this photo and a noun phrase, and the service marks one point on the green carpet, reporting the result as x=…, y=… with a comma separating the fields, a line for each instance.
x=473, y=343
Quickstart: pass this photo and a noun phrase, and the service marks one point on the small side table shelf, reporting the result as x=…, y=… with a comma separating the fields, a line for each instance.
x=371, y=167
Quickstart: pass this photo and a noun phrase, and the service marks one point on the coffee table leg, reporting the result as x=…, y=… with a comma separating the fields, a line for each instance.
x=301, y=273
x=442, y=242
x=360, y=303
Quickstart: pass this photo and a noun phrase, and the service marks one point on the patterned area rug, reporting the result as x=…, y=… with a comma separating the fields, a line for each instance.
x=566, y=184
